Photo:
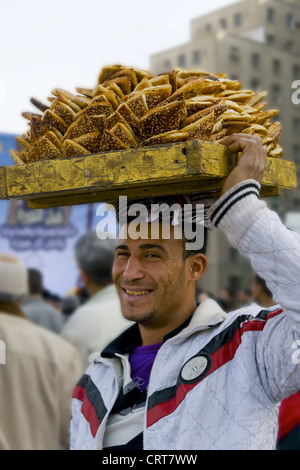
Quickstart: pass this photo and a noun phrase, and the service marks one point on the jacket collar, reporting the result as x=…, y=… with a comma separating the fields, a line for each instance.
x=206, y=315
x=124, y=343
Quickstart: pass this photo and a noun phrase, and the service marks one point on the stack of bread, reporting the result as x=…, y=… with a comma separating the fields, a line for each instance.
x=130, y=108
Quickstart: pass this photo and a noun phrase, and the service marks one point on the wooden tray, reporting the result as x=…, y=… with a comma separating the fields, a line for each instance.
x=191, y=166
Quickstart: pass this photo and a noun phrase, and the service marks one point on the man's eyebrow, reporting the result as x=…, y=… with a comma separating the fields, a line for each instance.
x=122, y=247
x=148, y=246
x=145, y=246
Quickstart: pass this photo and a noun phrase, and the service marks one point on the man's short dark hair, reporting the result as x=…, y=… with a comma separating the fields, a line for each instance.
x=191, y=225
x=35, y=281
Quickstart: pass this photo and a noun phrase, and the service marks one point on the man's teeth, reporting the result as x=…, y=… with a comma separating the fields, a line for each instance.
x=136, y=293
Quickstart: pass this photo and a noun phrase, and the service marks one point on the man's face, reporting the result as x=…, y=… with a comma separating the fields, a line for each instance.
x=151, y=278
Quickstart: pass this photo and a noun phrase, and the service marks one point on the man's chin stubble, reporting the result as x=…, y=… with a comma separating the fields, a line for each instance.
x=145, y=319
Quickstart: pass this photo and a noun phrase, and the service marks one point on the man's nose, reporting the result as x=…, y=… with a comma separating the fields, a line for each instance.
x=133, y=269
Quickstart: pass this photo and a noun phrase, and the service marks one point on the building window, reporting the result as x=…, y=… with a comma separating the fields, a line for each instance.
x=289, y=46
x=181, y=60
x=296, y=125
x=276, y=66
x=290, y=23
x=296, y=153
x=255, y=60
x=167, y=64
x=196, y=57
x=270, y=15
x=234, y=54
x=237, y=20
x=276, y=94
x=255, y=84
x=296, y=72
x=208, y=28
x=270, y=39
x=233, y=255
x=223, y=23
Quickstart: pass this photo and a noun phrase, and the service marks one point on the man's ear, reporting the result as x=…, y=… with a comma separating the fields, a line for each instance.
x=198, y=265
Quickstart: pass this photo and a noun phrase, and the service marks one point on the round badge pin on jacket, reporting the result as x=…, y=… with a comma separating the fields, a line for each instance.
x=195, y=368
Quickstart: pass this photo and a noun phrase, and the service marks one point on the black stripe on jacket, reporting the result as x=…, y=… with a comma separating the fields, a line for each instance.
x=220, y=349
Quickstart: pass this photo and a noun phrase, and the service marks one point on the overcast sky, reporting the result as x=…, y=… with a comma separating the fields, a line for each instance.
x=65, y=43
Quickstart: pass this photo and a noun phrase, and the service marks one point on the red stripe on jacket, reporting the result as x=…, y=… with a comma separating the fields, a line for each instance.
x=219, y=357
x=289, y=415
x=87, y=409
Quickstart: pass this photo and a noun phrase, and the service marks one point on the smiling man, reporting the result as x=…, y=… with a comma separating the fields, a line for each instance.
x=155, y=281
x=186, y=377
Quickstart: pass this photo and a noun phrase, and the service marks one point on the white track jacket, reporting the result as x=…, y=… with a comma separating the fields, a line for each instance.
x=218, y=383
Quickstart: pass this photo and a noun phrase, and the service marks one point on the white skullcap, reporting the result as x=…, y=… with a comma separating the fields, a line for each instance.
x=13, y=276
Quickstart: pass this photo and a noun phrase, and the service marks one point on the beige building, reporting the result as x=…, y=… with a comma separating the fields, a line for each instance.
x=258, y=43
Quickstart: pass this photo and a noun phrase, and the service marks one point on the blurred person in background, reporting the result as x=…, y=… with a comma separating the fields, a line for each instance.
x=261, y=294
x=289, y=411
x=94, y=324
x=78, y=291
x=226, y=299
x=38, y=375
x=69, y=305
x=202, y=295
x=82, y=294
x=36, y=308
x=244, y=297
x=52, y=299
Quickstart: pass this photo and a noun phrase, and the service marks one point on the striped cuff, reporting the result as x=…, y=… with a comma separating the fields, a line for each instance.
x=230, y=198
x=237, y=210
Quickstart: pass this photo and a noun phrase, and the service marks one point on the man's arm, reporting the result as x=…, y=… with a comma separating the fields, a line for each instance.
x=274, y=253
x=252, y=228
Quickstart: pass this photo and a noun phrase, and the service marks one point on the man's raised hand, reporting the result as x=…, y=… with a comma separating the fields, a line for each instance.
x=251, y=163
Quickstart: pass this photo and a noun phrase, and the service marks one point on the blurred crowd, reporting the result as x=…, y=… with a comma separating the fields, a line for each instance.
x=50, y=340
x=229, y=300
x=47, y=343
